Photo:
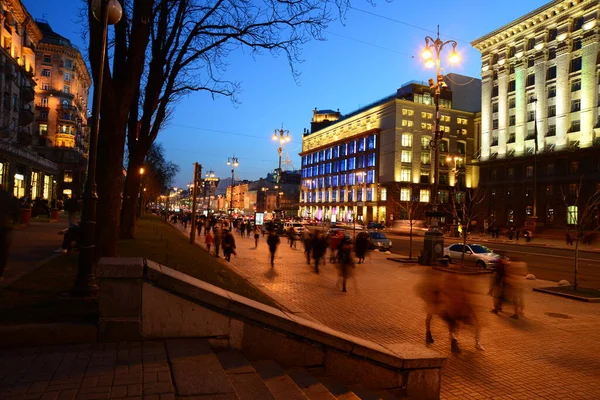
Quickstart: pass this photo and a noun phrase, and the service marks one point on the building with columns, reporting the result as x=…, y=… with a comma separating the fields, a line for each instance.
x=363, y=166
x=23, y=172
x=540, y=131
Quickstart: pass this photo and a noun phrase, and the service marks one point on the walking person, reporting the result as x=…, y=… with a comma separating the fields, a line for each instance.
x=256, y=236
x=208, y=240
x=307, y=241
x=346, y=261
x=292, y=237
x=72, y=208
x=360, y=246
x=248, y=228
x=217, y=240
x=319, y=248
x=273, y=243
x=228, y=245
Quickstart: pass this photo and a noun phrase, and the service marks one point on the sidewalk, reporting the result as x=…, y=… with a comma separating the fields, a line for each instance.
x=31, y=246
x=549, y=354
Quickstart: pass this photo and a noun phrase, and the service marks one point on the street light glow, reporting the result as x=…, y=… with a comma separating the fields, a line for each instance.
x=426, y=54
x=454, y=57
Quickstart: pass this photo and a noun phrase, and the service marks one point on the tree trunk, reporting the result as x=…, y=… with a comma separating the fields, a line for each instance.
x=410, y=243
x=111, y=142
x=576, y=277
x=131, y=192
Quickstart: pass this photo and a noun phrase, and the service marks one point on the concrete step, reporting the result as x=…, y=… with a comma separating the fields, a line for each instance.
x=279, y=383
x=367, y=394
x=338, y=389
x=312, y=388
x=247, y=383
x=197, y=371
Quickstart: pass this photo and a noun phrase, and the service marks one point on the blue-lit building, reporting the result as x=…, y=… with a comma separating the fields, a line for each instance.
x=367, y=164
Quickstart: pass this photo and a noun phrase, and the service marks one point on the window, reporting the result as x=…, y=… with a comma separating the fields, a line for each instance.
x=424, y=177
x=47, y=59
x=405, y=174
x=406, y=156
x=46, y=72
x=495, y=124
x=552, y=111
x=572, y=217
x=495, y=90
x=328, y=154
x=407, y=140
x=443, y=146
x=383, y=194
x=371, y=142
x=424, y=196
x=343, y=149
x=576, y=44
x=577, y=23
x=370, y=161
x=494, y=107
x=67, y=77
x=44, y=102
x=68, y=64
x=512, y=120
x=529, y=171
x=575, y=126
x=351, y=147
x=551, y=130
x=575, y=105
x=511, y=86
x=425, y=142
x=530, y=62
x=575, y=64
x=336, y=152
x=493, y=175
x=461, y=148
x=45, y=86
x=426, y=115
x=407, y=123
x=426, y=126
x=43, y=129
x=361, y=144
x=405, y=194
x=351, y=163
x=530, y=115
x=530, y=43
x=67, y=89
x=462, y=121
x=408, y=112
x=551, y=73
x=512, y=102
x=68, y=176
x=510, y=172
x=575, y=85
x=552, y=33
x=425, y=158
x=551, y=92
x=573, y=167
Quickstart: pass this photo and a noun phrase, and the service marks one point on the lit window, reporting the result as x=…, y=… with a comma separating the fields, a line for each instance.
x=424, y=195
x=406, y=156
x=425, y=142
x=405, y=194
x=383, y=194
x=45, y=86
x=68, y=176
x=407, y=140
x=67, y=77
x=67, y=89
x=405, y=174
x=410, y=113
x=407, y=123
x=572, y=216
x=43, y=129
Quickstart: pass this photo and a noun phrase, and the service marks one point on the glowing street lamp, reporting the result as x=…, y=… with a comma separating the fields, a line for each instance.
x=283, y=136
x=234, y=163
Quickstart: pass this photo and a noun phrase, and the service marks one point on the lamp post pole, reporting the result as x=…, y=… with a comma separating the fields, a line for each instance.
x=433, y=243
x=85, y=282
x=535, y=149
x=233, y=161
x=284, y=137
x=195, y=186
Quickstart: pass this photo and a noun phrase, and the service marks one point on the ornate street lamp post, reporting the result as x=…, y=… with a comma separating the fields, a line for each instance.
x=233, y=161
x=107, y=12
x=284, y=137
x=433, y=243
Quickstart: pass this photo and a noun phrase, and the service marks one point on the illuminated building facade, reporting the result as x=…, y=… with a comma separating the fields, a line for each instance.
x=23, y=172
x=61, y=96
x=539, y=117
x=362, y=166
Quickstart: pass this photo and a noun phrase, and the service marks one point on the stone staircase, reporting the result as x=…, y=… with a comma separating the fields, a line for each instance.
x=201, y=371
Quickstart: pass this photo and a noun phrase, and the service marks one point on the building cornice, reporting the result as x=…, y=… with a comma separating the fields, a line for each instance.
x=23, y=17
x=339, y=141
x=554, y=9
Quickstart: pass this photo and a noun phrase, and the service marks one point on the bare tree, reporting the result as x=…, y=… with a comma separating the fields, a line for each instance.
x=163, y=50
x=159, y=172
x=465, y=209
x=412, y=209
x=581, y=215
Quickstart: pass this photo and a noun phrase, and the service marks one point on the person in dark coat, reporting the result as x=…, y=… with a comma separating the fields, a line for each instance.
x=346, y=261
x=361, y=245
x=319, y=248
x=218, y=238
x=228, y=245
x=273, y=243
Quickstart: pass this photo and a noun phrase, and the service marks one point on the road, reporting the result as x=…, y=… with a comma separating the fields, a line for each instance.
x=546, y=263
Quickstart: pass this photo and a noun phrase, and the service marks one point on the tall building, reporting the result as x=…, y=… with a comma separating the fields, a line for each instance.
x=61, y=97
x=366, y=164
x=540, y=131
x=23, y=172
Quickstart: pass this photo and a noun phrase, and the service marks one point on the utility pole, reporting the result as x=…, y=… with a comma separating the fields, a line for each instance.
x=196, y=182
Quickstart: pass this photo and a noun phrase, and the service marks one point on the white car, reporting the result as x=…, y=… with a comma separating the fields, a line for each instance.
x=476, y=254
x=297, y=226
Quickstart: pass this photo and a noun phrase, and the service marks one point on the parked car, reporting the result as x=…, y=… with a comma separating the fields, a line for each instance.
x=379, y=241
x=296, y=226
x=375, y=225
x=476, y=254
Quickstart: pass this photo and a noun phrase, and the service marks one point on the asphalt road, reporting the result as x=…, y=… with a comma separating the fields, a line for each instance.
x=547, y=263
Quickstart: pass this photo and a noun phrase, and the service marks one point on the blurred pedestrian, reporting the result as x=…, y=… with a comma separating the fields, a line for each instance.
x=208, y=240
x=72, y=208
x=256, y=236
x=291, y=237
x=218, y=237
x=507, y=287
x=248, y=228
x=5, y=229
x=346, y=260
x=307, y=238
x=334, y=243
x=360, y=246
x=273, y=243
x=228, y=245
x=319, y=248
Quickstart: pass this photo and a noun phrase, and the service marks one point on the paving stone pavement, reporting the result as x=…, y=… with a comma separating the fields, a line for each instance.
x=536, y=357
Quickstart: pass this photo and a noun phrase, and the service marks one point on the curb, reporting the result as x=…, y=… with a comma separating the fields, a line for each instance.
x=463, y=272
x=568, y=296
x=404, y=260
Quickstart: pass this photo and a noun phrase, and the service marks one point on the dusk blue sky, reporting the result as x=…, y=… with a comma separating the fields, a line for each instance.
x=363, y=60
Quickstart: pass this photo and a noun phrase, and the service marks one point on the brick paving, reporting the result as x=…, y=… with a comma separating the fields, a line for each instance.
x=536, y=357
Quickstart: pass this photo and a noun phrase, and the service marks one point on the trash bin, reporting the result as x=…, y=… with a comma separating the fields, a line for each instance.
x=24, y=216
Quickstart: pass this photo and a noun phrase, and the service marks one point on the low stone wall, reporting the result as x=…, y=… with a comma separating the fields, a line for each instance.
x=144, y=300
